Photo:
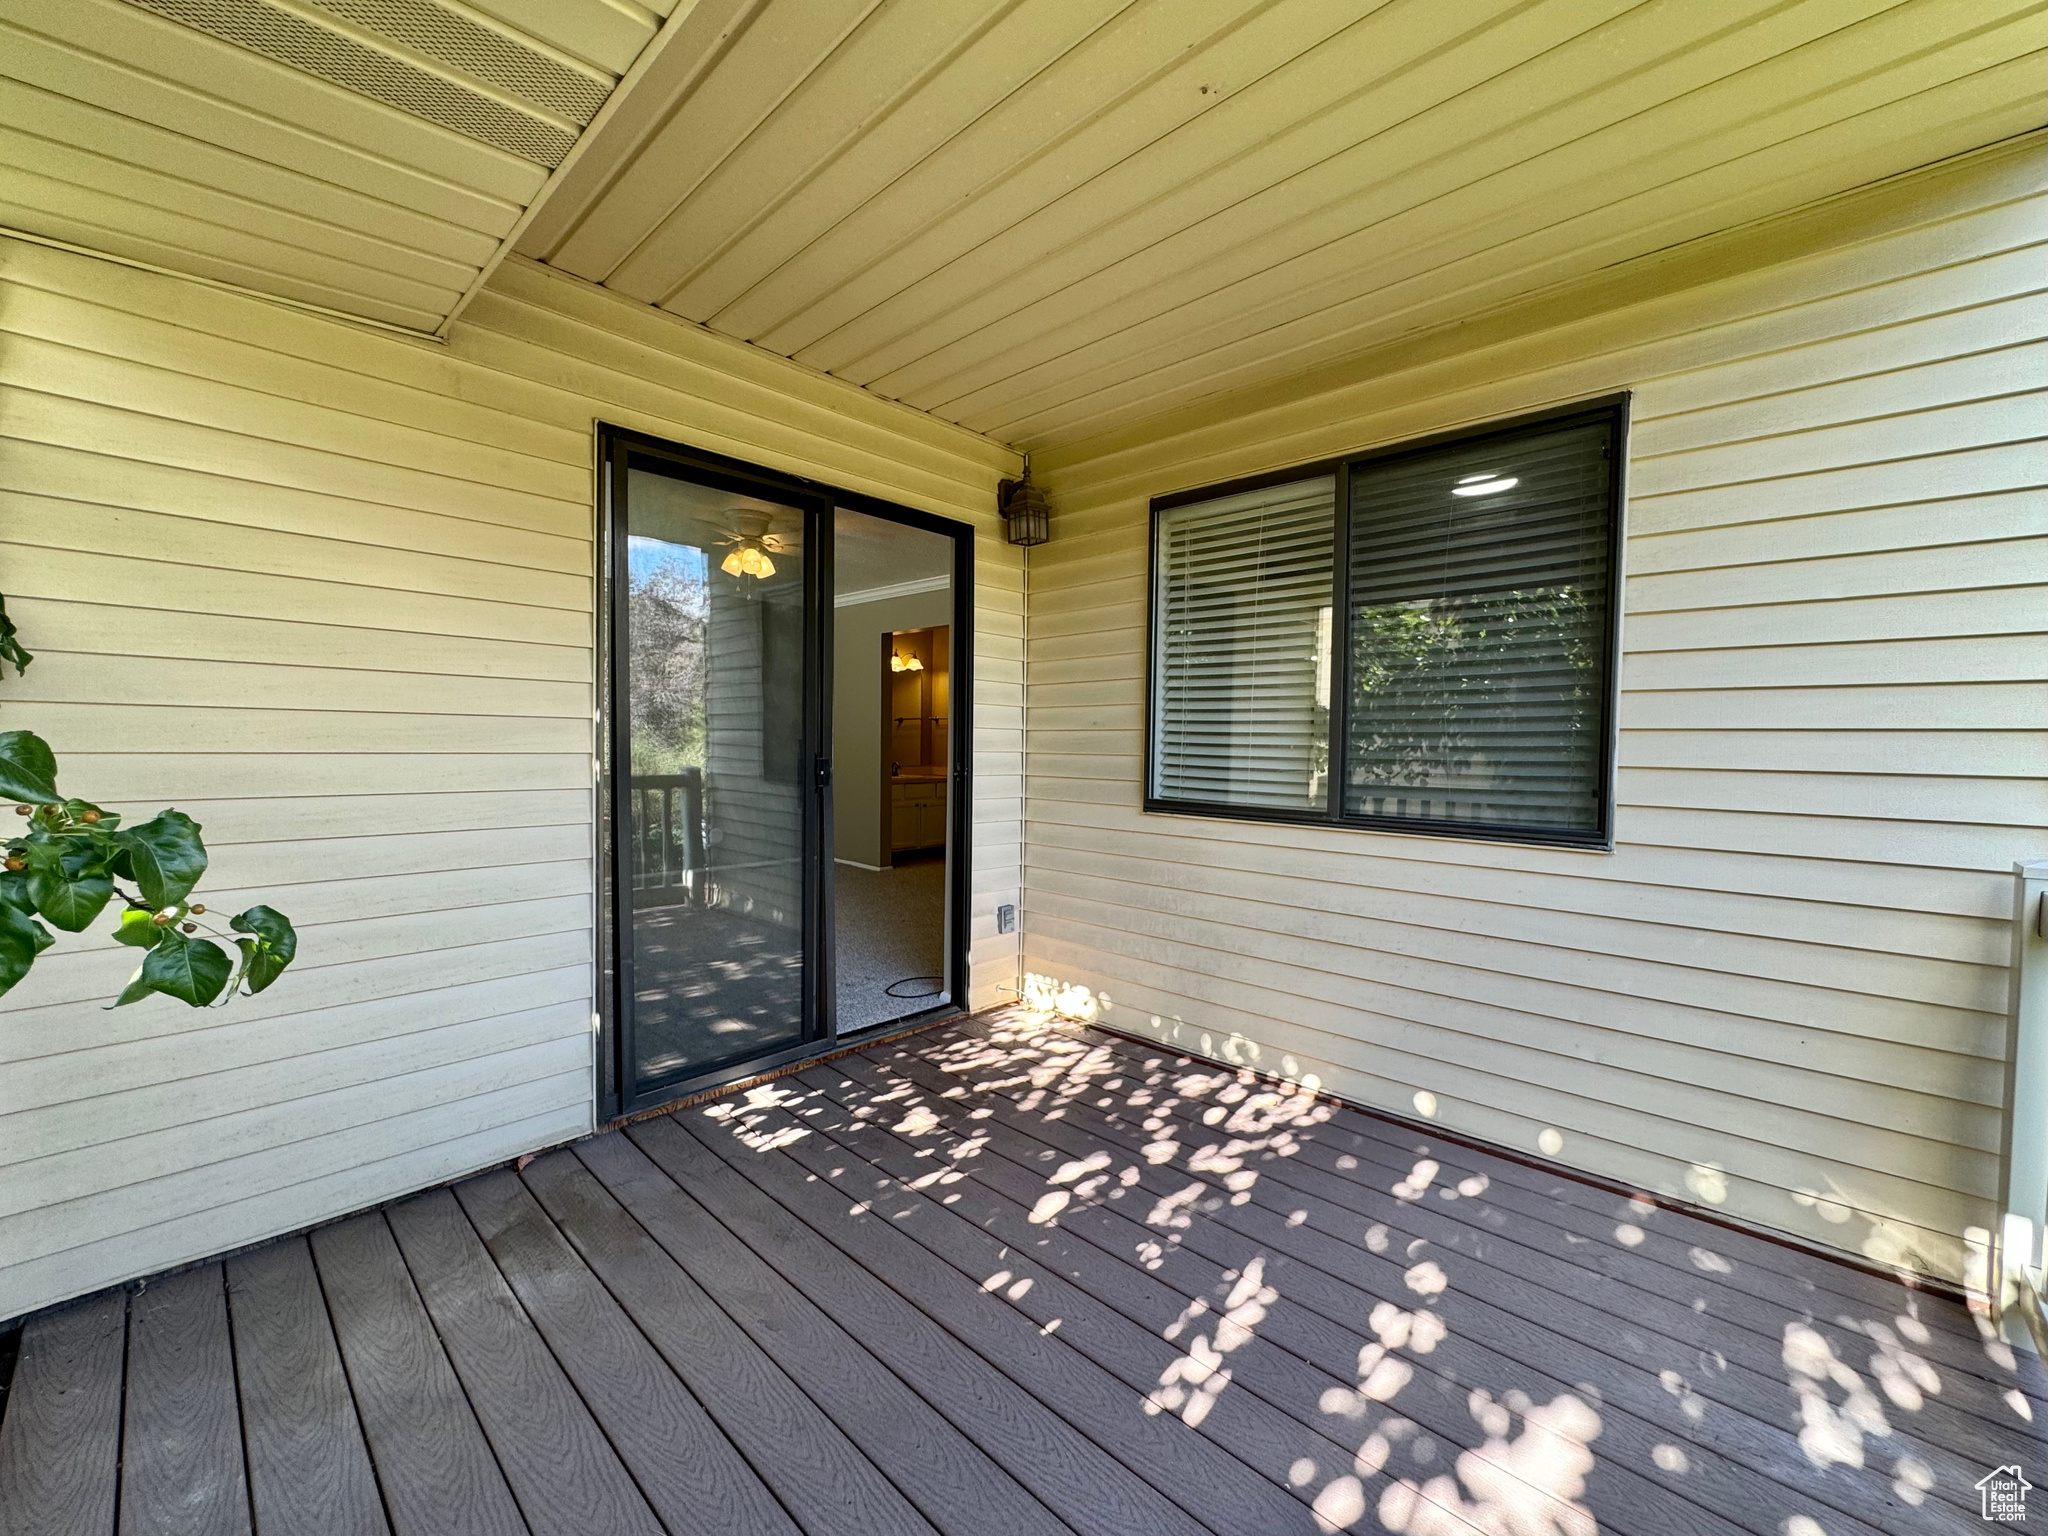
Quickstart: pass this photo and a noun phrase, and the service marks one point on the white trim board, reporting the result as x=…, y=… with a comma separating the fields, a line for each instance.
x=898, y=589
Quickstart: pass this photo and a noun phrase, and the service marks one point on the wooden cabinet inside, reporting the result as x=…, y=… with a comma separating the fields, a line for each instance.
x=916, y=681
x=917, y=815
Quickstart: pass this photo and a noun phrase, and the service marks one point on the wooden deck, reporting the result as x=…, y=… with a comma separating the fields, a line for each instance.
x=1002, y=1279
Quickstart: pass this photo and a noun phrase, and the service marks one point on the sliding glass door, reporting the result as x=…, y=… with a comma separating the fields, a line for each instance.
x=724, y=947
x=715, y=652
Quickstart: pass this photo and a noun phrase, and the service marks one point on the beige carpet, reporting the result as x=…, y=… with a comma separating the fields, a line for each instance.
x=891, y=931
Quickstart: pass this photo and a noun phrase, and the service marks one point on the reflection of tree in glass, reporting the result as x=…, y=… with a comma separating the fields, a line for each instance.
x=667, y=621
x=1434, y=680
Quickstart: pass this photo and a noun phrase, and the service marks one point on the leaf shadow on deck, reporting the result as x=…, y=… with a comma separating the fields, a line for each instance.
x=1448, y=1342
x=1010, y=1274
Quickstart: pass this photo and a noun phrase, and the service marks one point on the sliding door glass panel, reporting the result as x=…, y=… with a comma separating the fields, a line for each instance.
x=1479, y=614
x=713, y=834
x=1241, y=691
x=892, y=737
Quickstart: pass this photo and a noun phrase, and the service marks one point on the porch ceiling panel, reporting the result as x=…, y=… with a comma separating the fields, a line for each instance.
x=369, y=157
x=1045, y=219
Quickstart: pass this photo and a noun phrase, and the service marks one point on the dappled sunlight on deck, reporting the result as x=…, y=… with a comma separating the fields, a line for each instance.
x=1690, y=1334
x=1020, y=1274
x=1526, y=1482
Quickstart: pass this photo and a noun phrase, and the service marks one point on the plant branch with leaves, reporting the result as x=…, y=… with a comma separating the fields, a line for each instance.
x=66, y=864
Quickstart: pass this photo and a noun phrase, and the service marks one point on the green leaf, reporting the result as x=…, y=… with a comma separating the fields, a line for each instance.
x=136, y=990
x=164, y=857
x=71, y=902
x=138, y=927
x=191, y=970
x=15, y=891
x=250, y=949
x=22, y=938
x=10, y=647
x=40, y=850
x=276, y=942
x=84, y=852
x=28, y=768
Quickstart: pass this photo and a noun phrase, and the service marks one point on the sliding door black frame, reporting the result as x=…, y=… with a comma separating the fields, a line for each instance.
x=618, y=1092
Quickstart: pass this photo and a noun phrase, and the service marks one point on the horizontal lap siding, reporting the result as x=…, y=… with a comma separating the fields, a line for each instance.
x=1784, y=991
x=330, y=593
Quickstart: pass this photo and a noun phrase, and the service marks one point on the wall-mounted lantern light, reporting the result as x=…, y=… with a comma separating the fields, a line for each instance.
x=1026, y=517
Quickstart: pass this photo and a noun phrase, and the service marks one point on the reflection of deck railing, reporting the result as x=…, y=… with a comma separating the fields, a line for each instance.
x=668, y=836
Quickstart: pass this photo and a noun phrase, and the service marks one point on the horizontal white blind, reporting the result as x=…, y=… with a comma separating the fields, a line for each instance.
x=1241, y=700
x=1479, y=598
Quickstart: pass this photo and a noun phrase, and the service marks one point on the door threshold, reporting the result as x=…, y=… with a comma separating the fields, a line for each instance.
x=753, y=1074
x=902, y=1023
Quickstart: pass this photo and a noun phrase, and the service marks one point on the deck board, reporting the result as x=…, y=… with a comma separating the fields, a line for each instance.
x=1967, y=1405
x=835, y=1428
x=680, y=1459
x=60, y=1445
x=1018, y=1277
x=1343, y=1278
x=1092, y=1307
x=566, y=1475
x=181, y=1435
x=1330, y=1320
x=1223, y=1492
x=1699, y=1316
x=1087, y=1488
x=1685, y=1303
x=1626, y=1238
x=1965, y=1414
x=309, y=1469
x=1743, y=1266
x=437, y=1472
x=1288, y=1383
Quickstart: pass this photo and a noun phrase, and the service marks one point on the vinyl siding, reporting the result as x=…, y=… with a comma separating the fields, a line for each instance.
x=330, y=592
x=1783, y=993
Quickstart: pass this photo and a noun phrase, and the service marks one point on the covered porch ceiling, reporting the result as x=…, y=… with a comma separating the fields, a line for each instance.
x=1042, y=219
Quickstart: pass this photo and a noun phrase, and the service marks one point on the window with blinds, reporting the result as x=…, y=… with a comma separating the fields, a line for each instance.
x=1241, y=648
x=1478, y=597
x=1459, y=611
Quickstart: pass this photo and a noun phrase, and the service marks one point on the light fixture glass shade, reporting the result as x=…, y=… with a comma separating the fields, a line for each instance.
x=1026, y=517
x=747, y=561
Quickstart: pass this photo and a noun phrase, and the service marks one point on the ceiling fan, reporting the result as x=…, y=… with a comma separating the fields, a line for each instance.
x=753, y=544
